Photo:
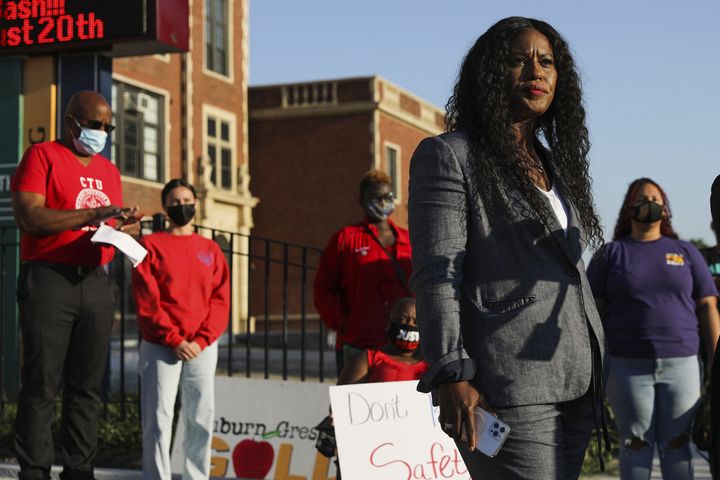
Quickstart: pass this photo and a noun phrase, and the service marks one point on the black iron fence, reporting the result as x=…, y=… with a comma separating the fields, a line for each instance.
x=273, y=330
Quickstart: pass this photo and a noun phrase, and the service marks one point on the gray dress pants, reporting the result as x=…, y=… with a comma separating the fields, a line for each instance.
x=546, y=442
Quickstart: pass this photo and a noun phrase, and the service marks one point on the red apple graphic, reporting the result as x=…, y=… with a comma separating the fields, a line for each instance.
x=252, y=459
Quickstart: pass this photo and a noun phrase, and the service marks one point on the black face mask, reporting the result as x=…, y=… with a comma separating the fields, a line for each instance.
x=404, y=337
x=181, y=214
x=648, y=212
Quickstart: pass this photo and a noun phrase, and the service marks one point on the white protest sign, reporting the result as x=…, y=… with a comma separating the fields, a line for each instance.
x=264, y=429
x=390, y=431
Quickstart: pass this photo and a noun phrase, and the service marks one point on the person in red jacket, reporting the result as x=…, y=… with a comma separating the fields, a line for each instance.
x=363, y=271
x=182, y=294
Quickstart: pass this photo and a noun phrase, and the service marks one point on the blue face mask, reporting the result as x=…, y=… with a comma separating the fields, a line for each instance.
x=380, y=209
x=90, y=142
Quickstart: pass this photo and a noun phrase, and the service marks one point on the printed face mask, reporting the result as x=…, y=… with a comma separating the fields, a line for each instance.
x=380, y=209
x=648, y=212
x=90, y=142
x=404, y=337
x=181, y=214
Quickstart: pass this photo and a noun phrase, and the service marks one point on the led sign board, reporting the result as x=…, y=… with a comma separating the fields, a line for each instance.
x=36, y=27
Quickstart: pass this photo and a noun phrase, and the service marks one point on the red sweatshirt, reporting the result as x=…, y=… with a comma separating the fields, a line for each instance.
x=181, y=290
x=356, y=284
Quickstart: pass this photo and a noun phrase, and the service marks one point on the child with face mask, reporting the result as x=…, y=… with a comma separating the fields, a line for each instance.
x=398, y=360
x=183, y=303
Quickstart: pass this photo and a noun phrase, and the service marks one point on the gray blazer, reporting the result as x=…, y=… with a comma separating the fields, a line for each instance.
x=506, y=305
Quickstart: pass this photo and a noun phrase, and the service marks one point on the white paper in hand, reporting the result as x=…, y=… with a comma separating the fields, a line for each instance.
x=122, y=241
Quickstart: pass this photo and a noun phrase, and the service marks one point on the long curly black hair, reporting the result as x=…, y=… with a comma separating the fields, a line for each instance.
x=480, y=107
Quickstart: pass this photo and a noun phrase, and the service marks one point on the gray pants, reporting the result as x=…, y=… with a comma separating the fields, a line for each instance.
x=545, y=442
x=161, y=374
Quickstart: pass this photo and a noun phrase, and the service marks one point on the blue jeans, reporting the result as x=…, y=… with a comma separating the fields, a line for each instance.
x=654, y=400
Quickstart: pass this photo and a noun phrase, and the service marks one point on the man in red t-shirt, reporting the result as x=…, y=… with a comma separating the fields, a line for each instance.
x=363, y=271
x=61, y=192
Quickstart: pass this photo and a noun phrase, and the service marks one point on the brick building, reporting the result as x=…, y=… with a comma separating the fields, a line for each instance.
x=185, y=115
x=305, y=146
x=310, y=143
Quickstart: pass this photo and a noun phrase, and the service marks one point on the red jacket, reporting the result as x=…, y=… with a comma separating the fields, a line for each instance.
x=356, y=284
x=182, y=290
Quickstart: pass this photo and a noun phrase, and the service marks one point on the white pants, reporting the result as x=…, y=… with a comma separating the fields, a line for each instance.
x=161, y=373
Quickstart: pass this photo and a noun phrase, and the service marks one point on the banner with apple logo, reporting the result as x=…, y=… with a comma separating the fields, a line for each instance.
x=265, y=429
x=390, y=431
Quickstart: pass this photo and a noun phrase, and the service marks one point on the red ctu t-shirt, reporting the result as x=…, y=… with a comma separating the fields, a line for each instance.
x=52, y=170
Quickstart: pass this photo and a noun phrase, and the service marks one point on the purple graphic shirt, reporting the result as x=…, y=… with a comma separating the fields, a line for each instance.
x=650, y=289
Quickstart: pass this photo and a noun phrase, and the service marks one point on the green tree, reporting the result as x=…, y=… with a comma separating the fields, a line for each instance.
x=699, y=243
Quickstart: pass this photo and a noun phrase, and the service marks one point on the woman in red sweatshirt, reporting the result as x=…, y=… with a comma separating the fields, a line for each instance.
x=182, y=293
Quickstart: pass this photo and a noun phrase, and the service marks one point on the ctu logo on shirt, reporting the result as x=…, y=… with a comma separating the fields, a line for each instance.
x=362, y=250
x=87, y=182
x=91, y=196
x=205, y=257
x=675, y=259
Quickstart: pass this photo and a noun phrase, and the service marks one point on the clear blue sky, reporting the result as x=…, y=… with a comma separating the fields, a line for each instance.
x=651, y=74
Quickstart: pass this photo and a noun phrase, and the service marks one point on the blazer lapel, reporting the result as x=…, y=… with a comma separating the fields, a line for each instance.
x=576, y=238
x=573, y=242
x=553, y=225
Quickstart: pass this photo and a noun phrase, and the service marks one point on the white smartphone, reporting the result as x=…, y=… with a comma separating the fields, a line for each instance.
x=491, y=432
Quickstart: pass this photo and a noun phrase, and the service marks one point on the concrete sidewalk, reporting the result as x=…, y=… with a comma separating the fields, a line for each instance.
x=10, y=471
x=700, y=465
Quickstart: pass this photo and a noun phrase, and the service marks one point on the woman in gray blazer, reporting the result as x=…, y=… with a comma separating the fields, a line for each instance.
x=500, y=213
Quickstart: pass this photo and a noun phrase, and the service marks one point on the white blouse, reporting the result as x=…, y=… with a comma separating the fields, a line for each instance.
x=558, y=205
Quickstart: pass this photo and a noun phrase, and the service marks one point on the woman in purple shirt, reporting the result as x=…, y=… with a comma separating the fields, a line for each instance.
x=657, y=299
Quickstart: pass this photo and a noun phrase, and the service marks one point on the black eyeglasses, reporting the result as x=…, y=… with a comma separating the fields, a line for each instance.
x=93, y=124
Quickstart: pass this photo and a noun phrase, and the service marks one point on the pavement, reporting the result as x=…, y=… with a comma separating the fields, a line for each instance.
x=700, y=465
x=9, y=471
x=237, y=360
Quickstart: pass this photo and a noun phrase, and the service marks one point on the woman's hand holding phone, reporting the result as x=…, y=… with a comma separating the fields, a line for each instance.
x=457, y=402
x=491, y=432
